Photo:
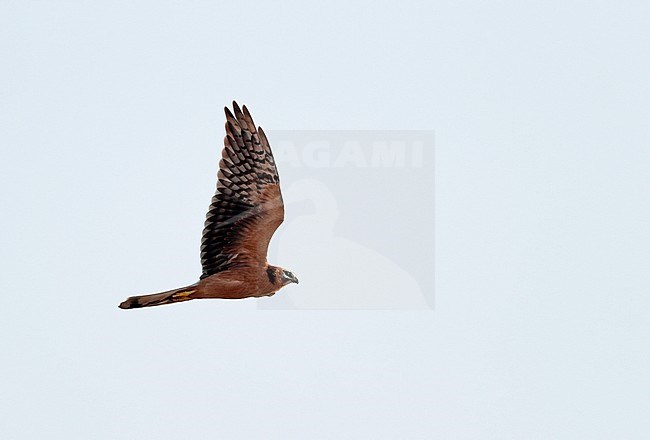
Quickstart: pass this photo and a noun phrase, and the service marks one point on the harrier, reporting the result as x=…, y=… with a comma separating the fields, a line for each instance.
x=245, y=212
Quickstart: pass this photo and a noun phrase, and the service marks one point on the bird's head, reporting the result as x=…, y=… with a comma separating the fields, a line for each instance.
x=280, y=276
x=288, y=277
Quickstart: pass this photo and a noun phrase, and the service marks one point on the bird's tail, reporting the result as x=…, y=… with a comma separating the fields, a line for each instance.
x=158, y=299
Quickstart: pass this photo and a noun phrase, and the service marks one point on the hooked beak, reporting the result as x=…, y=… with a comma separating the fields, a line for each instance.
x=294, y=279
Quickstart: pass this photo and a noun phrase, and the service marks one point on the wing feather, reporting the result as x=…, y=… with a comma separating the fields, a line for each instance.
x=247, y=207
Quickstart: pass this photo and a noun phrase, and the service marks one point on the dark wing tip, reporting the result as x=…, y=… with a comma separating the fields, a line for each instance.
x=235, y=107
x=249, y=118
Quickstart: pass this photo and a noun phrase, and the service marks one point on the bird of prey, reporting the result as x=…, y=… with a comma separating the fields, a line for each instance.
x=245, y=211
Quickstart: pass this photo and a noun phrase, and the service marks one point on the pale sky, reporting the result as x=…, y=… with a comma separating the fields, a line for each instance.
x=111, y=126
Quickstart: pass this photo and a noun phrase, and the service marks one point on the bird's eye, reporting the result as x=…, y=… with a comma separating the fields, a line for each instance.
x=288, y=274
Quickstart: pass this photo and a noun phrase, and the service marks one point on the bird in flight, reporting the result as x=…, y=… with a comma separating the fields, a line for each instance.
x=245, y=211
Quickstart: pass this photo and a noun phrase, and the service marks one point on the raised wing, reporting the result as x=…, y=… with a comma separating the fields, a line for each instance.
x=247, y=207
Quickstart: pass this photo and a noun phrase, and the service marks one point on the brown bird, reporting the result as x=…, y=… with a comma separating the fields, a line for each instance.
x=245, y=212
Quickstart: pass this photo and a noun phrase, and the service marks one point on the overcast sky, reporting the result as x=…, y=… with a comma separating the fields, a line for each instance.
x=535, y=324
